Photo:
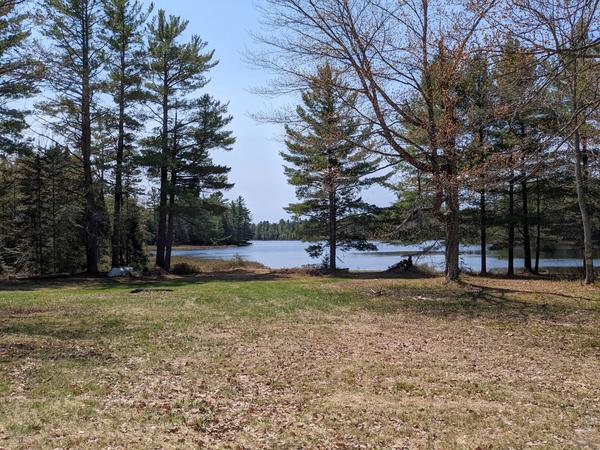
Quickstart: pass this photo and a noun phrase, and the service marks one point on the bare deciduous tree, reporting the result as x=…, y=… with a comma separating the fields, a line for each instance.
x=405, y=60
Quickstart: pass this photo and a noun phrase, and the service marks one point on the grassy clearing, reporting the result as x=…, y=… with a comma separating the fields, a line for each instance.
x=261, y=359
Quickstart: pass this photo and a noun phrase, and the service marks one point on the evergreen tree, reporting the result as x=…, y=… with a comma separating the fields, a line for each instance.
x=241, y=222
x=328, y=168
x=48, y=236
x=479, y=105
x=123, y=22
x=18, y=74
x=64, y=211
x=75, y=62
x=174, y=72
x=198, y=132
x=518, y=136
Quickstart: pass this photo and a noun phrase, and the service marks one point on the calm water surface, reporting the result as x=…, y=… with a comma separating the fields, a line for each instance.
x=290, y=254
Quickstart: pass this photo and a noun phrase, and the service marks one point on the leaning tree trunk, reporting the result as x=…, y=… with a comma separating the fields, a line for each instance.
x=586, y=220
x=332, y=231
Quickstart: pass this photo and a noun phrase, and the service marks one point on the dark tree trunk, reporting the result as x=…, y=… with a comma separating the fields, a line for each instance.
x=538, y=238
x=54, y=215
x=483, y=231
x=452, y=233
x=117, y=259
x=332, y=231
x=511, y=228
x=91, y=221
x=164, y=181
x=525, y=226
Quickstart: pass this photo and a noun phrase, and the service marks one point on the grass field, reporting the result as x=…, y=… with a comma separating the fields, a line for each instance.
x=267, y=360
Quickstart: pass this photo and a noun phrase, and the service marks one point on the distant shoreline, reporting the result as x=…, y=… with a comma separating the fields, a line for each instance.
x=152, y=248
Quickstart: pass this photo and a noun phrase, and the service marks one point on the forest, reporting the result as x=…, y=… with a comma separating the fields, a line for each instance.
x=118, y=105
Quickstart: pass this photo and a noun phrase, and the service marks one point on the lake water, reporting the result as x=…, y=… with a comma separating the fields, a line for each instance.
x=291, y=254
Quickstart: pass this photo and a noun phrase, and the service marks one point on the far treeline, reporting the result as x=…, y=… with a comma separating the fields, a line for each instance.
x=482, y=116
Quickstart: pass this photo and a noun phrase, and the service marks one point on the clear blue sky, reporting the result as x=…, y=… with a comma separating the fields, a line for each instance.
x=256, y=165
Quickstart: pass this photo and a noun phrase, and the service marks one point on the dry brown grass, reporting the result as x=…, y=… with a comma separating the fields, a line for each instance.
x=303, y=362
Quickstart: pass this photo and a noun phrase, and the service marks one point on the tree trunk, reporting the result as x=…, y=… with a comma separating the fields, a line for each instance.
x=586, y=220
x=91, y=222
x=164, y=181
x=511, y=228
x=117, y=259
x=54, y=214
x=171, y=222
x=452, y=233
x=538, y=238
x=483, y=231
x=332, y=231
x=588, y=247
x=525, y=226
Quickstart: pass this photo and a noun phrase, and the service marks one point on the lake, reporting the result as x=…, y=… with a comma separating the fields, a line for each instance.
x=291, y=254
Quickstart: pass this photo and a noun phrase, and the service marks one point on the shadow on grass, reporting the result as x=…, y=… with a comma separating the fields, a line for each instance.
x=472, y=301
x=102, y=282
x=43, y=351
x=73, y=328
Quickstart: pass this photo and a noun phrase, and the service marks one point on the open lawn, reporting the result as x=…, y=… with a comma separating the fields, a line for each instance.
x=267, y=360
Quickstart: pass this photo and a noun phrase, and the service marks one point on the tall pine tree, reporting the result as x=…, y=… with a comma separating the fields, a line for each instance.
x=329, y=169
x=175, y=71
x=75, y=61
x=124, y=21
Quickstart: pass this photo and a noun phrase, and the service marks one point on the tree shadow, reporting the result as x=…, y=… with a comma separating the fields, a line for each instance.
x=102, y=282
x=474, y=301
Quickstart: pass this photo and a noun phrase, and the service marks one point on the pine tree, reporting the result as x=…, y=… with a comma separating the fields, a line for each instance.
x=19, y=74
x=328, y=168
x=75, y=61
x=63, y=191
x=518, y=136
x=30, y=220
x=197, y=132
x=123, y=22
x=479, y=104
x=174, y=72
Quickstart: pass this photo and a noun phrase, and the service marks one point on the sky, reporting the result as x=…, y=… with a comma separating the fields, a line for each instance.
x=256, y=165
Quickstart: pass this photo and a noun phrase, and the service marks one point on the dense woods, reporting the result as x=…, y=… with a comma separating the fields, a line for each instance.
x=122, y=104
x=482, y=117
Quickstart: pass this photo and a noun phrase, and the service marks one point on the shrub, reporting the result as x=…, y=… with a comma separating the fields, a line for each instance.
x=185, y=269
